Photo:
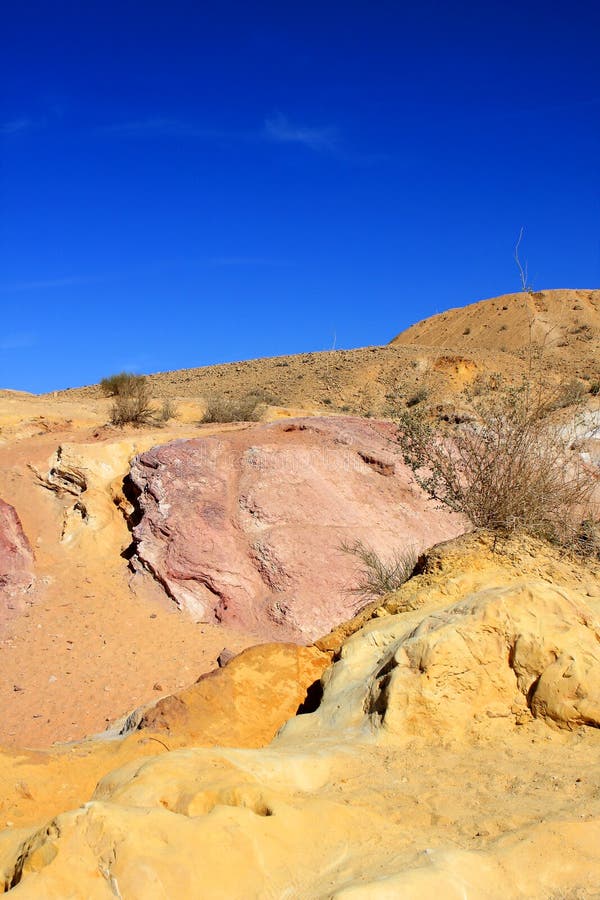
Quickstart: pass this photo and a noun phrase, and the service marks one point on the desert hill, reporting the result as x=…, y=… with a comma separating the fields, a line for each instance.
x=365, y=381
x=441, y=355
x=564, y=323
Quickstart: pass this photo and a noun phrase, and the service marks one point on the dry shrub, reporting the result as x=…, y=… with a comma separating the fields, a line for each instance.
x=244, y=409
x=120, y=383
x=167, y=411
x=376, y=576
x=420, y=394
x=132, y=402
x=507, y=468
x=567, y=393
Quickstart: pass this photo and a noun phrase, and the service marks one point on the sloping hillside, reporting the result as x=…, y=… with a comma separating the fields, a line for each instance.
x=442, y=354
x=566, y=323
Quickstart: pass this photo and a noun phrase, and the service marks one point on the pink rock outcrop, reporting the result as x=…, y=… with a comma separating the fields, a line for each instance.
x=16, y=560
x=246, y=526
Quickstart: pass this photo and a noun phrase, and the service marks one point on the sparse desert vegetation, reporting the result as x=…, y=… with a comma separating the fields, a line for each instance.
x=508, y=467
x=121, y=383
x=167, y=410
x=133, y=404
x=132, y=400
x=248, y=408
x=376, y=575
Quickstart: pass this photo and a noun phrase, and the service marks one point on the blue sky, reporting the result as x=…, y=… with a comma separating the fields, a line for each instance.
x=186, y=183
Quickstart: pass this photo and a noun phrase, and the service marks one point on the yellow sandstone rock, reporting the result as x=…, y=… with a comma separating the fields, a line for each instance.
x=448, y=757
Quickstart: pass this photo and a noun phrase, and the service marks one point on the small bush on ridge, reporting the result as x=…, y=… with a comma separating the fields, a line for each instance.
x=132, y=403
x=121, y=383
x=223, y=409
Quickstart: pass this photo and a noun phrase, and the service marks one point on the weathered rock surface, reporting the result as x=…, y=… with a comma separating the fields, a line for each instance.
x=541, y=861
x=89, y=479
x=16, y=557
x=504, y=653
x=433, y=766
x=83, y=643
x=244, y=703
x=246, y=527
x=241, y=705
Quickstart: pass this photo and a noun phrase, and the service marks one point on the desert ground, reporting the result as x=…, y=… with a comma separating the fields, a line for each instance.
x=188, y=673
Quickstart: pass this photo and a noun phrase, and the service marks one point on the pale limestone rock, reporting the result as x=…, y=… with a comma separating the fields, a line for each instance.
x=92, y=475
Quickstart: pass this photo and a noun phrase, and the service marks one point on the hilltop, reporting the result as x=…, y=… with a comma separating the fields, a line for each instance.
x=565, y=324
x=441, y=355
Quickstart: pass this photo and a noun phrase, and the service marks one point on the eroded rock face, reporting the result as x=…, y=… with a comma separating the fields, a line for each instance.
x=427, y=769
x=500, y=656
x=16, y=557
x=246, y=527
x=244, y=703
x=505, y=652
x=241, y=705
x=91, y=477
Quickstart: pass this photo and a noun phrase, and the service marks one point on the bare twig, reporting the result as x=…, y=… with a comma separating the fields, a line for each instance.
x=162, y=743
x=525, y=286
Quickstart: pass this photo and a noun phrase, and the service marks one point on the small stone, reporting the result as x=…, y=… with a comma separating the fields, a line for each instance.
x=17, y=687
x=153, y=615
x=156, y=686
x=224, y=656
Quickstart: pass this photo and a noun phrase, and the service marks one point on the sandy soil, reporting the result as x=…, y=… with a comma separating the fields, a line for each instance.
x=87, y=648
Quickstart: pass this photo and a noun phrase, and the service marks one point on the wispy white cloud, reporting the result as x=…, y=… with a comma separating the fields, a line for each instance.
x=246, y=261
x=156, y=266
x=18, y=286
x=18, y=341
x=276, y=129
x=129, y=364
x=322, y=139
x=163, y=127
x=15, y=126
